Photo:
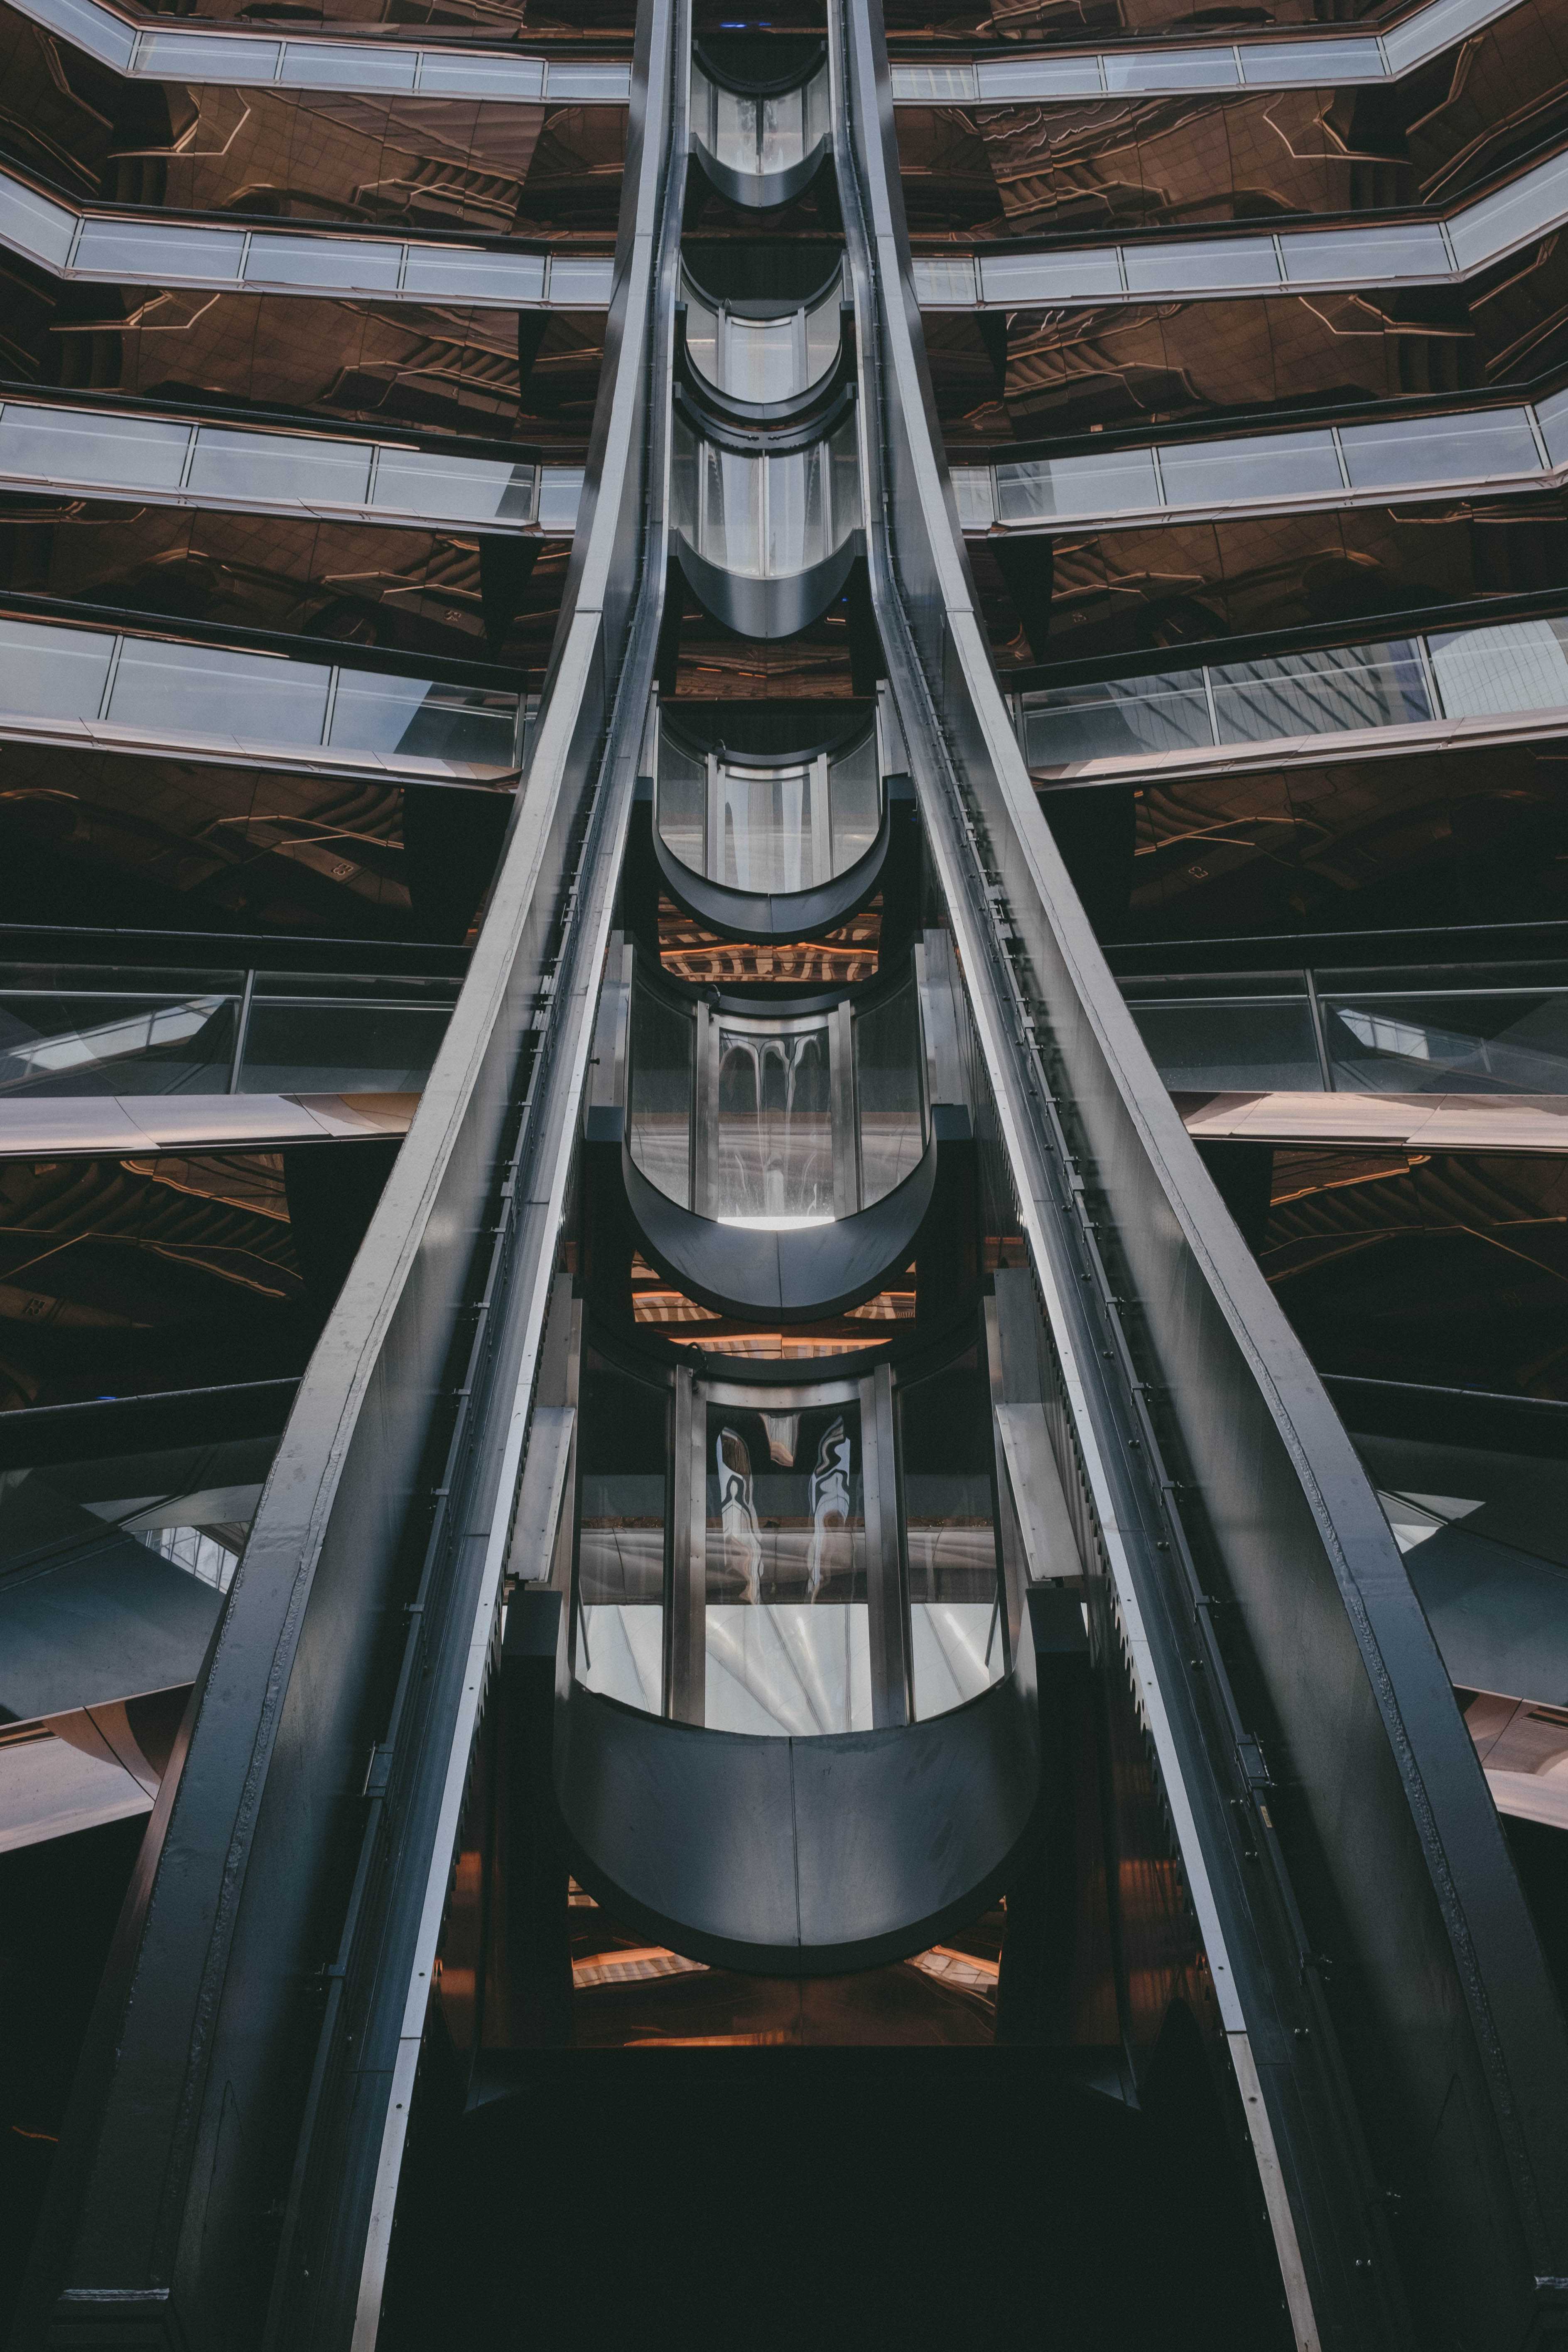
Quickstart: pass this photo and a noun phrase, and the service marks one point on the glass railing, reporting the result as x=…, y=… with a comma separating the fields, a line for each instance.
x=98, y=1030
x=150, y=692
x=767, y=827
x=763, y=358
x=1423, y=1031
x=763, y=516
x=120, y=250
x=1310, y=60
x=1298, y=260
x=1514, y=668
x=199, y=53
x=120, y=453
x=759, y=136
x=756, y=1120
x=1329, y=464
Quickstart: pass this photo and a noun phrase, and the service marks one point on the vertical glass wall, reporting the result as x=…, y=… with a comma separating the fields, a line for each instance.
x=623, y=1438
x=785, y=1609
x=759, y=135
x=761, y=516
x=774, y=1130
x=767, y=827
x=957, y=1637
x=763, y=358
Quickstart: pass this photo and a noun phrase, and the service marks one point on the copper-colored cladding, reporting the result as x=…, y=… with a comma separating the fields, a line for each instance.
x=1466, y=838
x=842, y=959
x=1077, y=369
x=443, y=367
x=414, y=591
x=1448, y=1268
x=1112, y=166
x=427, y=164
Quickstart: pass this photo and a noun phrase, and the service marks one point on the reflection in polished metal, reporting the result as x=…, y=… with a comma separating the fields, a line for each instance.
x=117, y=453
x=1527, y=205
x=150, y=694
x=1512, y=669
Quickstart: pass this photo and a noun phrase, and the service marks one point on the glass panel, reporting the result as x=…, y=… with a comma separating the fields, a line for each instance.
x=683, y=803
x=1121, y=480
x=324, y=261
x=409, y=719
x=67, y=444
x=340, y=1048
x=782, y=140
x=132, y=248
x=279, y=466
x=855, y=802
x=734, y=134
x=196, y=57
x=823, y=332
x=764, y=822
x=1282, y=65
x=1552, y=416
x=1120, y=720
x=560, y=496
x=201, y=690
x=1200, y=262
x=1184, y=70
x=788, y=1629
x=1372, y=256
x=320, y=64
x=1431, y=29
x=1440, y=449
x=890, y=1099
x=702, y=335
x=762, y=358
x=732, y=510
x=1041, y=77
x=103, y=1045
x=458, y=490
x=1046, y=277
x=623, y=1448
x=93, y=28
x=1200, y=1047
x=1319, y=693
x=775, y=1129
x=1482, y=673
x=454, y=273
x=36, y=226
x=1260, y=466
x=957, y=1639
x=1532, y=202
x=598, y=84
x=53, y=673
x=1509, y=1043
x=481, y=76
x=587, y=282
x=660, y=1125
x=799, y=523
